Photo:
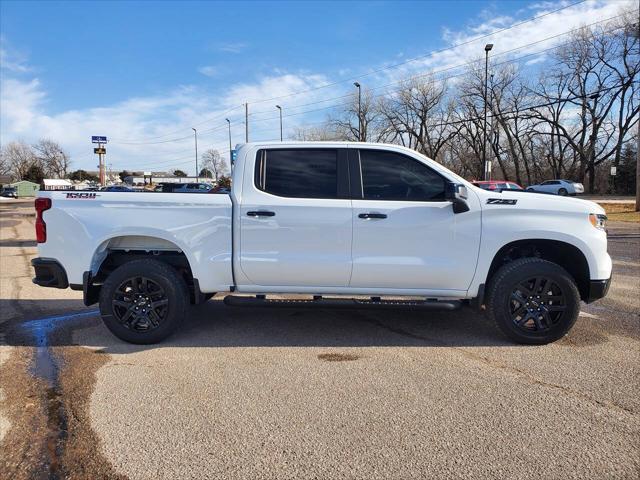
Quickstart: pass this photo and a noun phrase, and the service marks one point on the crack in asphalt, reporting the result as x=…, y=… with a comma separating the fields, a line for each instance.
x=500, y=366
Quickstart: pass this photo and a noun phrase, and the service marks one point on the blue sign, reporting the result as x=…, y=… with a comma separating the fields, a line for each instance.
x=98, y=139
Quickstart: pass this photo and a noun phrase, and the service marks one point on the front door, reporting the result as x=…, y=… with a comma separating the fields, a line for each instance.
x=405, y=234
x=295, y=218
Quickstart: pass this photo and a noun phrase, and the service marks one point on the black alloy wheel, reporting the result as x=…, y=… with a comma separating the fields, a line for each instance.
x=537, y=304
x=533, y=301
x=144, y=301
x=140, y=304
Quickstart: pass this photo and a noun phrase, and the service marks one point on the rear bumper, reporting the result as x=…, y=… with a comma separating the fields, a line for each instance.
x=49, y=273
x=598, y=289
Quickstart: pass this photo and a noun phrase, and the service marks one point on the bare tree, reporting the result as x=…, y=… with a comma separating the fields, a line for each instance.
x=597, y=73
x=213, y=161
x=416, y=115
x=52, y=158
x=19, y=158
x=316, y=133
x=346, y=124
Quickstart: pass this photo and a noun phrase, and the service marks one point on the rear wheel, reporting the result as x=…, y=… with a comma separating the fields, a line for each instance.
x=563, y=192
x=143, y=301
x=533, y=301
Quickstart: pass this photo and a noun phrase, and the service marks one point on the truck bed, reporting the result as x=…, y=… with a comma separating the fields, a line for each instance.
x=83, y=227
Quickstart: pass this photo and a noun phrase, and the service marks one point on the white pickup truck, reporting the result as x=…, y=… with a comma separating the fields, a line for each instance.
x=334, y=221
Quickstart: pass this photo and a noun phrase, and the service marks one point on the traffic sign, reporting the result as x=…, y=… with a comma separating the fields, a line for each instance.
x=98, y=139
x=100, y=151
x=613, y=171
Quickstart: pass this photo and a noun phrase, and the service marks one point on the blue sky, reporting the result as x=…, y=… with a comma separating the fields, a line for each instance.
x=145, y=72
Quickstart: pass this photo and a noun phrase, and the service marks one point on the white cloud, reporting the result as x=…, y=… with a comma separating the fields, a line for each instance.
x=209, y=71
x=233, y=47
x=16, y=62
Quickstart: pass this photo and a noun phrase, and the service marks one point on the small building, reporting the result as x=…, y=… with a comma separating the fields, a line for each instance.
x=56, y=184
x=25, y=188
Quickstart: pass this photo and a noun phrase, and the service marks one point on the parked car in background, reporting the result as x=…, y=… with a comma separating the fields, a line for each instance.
x=194, y=188
x=496, y=185
x=116, y=188
x=557, y=187
x=9, y=192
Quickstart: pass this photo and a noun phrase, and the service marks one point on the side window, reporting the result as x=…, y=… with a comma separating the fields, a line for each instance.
x=391, y=176
x=298, y=173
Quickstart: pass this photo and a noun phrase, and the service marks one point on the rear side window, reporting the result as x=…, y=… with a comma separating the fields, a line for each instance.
x=298, y=173
x=391, y=176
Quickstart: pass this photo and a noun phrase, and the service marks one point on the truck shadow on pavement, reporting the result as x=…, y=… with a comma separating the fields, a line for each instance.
x=211, y=325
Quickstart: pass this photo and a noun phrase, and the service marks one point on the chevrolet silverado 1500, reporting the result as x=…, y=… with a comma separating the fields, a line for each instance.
x=337, y=222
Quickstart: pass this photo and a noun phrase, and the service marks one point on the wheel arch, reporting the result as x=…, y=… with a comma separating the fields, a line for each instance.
x=120, y=249
x=568, y=256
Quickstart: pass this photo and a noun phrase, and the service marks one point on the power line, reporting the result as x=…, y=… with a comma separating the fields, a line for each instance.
x=378, y=70
x=467, y=42
x=454, y=67
x=216, y=117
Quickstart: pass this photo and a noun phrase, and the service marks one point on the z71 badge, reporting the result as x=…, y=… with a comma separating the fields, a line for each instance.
x=501, y=201
x=85, y=195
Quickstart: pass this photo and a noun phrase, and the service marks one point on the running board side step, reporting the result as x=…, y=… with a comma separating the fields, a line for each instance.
x=319, y=302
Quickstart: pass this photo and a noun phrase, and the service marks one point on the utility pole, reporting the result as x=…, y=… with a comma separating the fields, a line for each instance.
x=195, y=136
x=280, y=108
x=359, y=111
x=487, y=171
x=230, y=148
x=638, y=171
x=246, y=123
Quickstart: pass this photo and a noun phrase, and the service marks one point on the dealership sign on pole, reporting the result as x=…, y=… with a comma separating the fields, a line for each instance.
x=100, y=151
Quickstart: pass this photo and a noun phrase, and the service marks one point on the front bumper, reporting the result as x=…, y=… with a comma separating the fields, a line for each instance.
x=598, y=289
x=49, y=273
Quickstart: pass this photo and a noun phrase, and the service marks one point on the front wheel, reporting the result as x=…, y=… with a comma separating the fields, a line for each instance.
x=143, y=301
x=533, y=301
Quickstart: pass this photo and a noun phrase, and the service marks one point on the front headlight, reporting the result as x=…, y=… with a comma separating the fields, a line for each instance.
x=598, y=220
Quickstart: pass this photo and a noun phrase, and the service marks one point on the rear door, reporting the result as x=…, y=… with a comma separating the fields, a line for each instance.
x=405, y=234
x=295, y=218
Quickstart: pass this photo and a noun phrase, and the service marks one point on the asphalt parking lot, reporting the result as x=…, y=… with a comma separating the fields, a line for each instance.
x=327, y=394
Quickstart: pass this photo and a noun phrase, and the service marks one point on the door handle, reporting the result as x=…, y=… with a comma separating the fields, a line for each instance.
x=372, y=215
x=261, y=213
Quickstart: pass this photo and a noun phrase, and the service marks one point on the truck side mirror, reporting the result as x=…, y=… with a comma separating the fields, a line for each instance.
x=457, y=194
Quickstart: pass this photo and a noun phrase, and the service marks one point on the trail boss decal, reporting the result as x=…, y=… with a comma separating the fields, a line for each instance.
x=86, y=195
x=501, y=201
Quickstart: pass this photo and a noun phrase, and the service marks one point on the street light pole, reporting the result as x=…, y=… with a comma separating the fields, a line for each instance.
x=230, y=148
x=487, y=48
x=195, y=136
x=359, y=111
x=246, y=123
x=280, y=108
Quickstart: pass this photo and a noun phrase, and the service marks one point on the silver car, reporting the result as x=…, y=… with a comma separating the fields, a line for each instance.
x=557, y=187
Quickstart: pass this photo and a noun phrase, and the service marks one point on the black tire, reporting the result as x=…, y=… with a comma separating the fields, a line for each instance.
x=533, y=301
x=563, y=192
x=147, y=286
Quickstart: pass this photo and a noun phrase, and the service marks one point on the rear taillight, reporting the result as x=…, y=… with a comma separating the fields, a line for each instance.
x=42, y=204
